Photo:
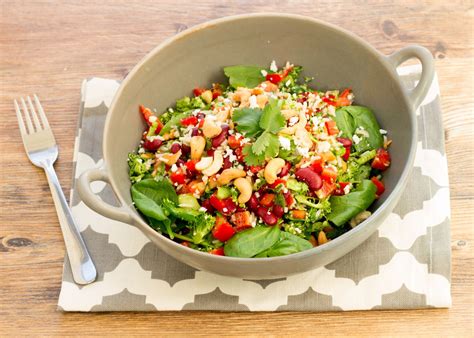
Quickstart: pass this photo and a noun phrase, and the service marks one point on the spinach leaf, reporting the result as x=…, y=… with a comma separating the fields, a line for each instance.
x=350, y=117
x=287, y=244
x=244, y=76
x=345, y=123
x=149, y=194
x=343, y=208
x=249, y=243
x=246, y=120
x=174, y=121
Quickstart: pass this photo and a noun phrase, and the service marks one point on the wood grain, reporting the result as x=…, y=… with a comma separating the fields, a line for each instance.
x=48, y=48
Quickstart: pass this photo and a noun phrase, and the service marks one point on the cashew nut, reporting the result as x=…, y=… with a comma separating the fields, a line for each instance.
x=197, y=144
x=223, y=115
x=303, y=137
x=359, y=218
x=210, y=129
x=230, y=174
x=289, y=113
x=216, y=164
x=245, y=188
x=169, y=158
x=272, y=169
x=300, y=125
x=204, y=163
x=262, y=100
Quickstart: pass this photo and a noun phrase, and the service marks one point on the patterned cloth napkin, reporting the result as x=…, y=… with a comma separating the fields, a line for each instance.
x=405, y=264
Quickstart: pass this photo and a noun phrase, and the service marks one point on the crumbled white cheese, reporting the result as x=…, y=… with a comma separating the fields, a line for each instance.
x=347, y=188
x=293, y=120
x=174, y=168
x=332, y=110
x=303, y=151
x=383, y=132
x=273, y=66
x=264, y=72
x=205, y=178
x=284, y=142
x=287, y=83
x=225, y=209
x=324, y=146
x=202, y=209
x=356, y=139
x=152, y=119
x=240, y=167
x=253, y=101
x=141, y=150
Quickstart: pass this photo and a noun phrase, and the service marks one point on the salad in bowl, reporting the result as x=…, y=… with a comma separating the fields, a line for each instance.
x=260, y=167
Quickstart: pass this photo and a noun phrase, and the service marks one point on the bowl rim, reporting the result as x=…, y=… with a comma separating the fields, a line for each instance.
x=391, y=199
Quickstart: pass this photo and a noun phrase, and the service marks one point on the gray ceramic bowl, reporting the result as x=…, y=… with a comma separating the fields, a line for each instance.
x=195, y=57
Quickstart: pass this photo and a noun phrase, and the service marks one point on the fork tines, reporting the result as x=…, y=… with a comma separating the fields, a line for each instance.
x=31, y=113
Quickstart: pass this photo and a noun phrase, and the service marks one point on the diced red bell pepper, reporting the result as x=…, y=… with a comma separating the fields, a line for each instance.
x=379, y=184
x=233, y=142
x=298, y=214
x=241, y=220
x=346, y=155
x=147, y=113
x=381, y=160
x=267, y=200
x=254, y=169
x=340, y=191
x=286, y=72
x=178, y=177
x=329, y=175
x=274, y=78
x=326, y=189
x=218, y=251
x=223, y=232
x=328, y=101
x=277, y=183
x=317, y=165
x=229, y=206
x=240, y=156
x=345, y=92
x=189, y=121
x=217, y=203
x=331, y=127
x=191, y=165
x=198, y=91
x=289, y=200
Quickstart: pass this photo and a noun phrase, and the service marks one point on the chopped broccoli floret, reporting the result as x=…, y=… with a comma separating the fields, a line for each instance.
x=138, y=167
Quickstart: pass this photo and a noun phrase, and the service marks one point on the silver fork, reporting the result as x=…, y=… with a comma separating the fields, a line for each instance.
x=42, y=151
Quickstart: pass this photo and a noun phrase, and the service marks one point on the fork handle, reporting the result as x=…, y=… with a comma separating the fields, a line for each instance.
x=82, y=267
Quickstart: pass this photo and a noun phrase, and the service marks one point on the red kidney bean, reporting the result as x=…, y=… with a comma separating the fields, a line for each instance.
x=195, y=132
x=344, y=141
x=217, y=141
x=278, y=211
x=227, y=163
x=230, y=206
x=210, y=152
x=267, y=216
x=253, y=203
x=284, y=171
x=185, y=149
x=308, y=176
x=175, y=147
x=152, y=145
x=207, y=205
x=180, y=162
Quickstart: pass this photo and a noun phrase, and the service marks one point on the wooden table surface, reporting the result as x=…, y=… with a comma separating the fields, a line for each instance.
x=48, y=48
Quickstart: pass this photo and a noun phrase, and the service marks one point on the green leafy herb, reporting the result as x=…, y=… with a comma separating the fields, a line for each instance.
x=272, y=120
x=297, y=186
x=174, y=122
x=244, y=76
x=249, y=243
x=246, y=120
x=347, y=206
x=137, y=167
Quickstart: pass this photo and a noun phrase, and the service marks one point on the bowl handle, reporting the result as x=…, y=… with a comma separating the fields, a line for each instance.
x=418, y=93
x=94, y=202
